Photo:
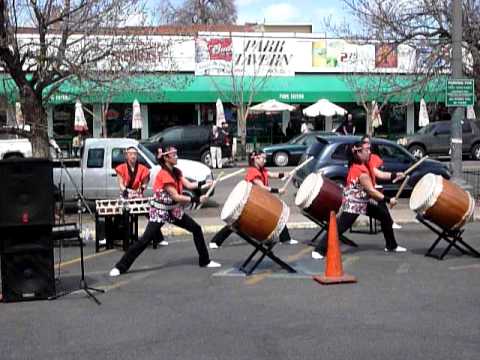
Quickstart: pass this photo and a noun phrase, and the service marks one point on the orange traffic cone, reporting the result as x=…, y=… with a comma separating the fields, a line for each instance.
x=333, y=267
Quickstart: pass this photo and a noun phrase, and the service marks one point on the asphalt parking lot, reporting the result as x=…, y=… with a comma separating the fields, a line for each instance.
x=404, y=306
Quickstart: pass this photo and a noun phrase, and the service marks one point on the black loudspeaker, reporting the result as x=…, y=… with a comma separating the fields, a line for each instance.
x=26, y=193
x=27, y=263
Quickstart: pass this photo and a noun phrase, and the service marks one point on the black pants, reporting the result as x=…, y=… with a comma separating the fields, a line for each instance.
x=345, y=221
x=225, y=232
x=152, y=233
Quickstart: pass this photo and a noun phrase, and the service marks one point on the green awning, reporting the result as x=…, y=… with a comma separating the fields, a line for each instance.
x=188, y=88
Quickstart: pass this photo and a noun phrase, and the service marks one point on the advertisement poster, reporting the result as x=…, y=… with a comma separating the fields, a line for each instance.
x=249, y=56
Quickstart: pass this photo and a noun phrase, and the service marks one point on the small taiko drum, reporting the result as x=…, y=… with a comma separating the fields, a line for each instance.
x=318, y=196
x=255, y=212
x=442, y=202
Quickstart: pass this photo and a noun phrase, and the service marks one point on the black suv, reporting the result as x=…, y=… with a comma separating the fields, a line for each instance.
x=330, y=154
x=192, y=142
x=434, y=139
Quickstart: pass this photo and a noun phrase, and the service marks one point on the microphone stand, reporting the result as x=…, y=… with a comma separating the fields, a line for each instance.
x=81, y=206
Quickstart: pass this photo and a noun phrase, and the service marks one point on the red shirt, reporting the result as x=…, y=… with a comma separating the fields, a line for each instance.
x=142, y=173
x=165, y=178
x=374, y=162
x=254, y=173
x=354, y=173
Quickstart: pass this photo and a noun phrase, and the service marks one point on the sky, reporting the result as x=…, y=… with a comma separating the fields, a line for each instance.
x=287, y=11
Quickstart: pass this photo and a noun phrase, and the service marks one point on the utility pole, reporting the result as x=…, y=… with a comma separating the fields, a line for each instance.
x=458, y=112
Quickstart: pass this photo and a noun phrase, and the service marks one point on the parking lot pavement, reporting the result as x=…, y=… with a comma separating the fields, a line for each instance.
x=404, y=306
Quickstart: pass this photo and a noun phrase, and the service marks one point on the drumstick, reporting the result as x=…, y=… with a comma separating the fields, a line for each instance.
x=235, y=173
x=284, y=187
x=414, y=166
x=291, y=173
x=211, y=189
x=399, y=192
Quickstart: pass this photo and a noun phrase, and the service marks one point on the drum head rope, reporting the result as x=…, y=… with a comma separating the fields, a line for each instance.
x=469, y=214
x=282, y=222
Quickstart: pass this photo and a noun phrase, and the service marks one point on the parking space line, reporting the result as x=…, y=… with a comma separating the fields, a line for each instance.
x=88, y=257
x=465, y=267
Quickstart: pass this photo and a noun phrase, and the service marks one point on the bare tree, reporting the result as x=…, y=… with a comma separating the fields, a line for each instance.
x=198, y=12
x=44, y=43
x=425, y=25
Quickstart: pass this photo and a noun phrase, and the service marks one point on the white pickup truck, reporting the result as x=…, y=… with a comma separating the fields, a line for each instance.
x=12, y=146
x=94, y=174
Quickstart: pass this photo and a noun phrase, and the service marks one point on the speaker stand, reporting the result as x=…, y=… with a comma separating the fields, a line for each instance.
x=83, y=282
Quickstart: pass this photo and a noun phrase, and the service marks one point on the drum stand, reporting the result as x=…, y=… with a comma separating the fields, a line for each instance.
x=266, y=249
x=324, y=227
x=452, y=237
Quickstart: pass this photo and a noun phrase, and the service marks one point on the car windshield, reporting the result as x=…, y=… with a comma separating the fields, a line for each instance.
x=426, y=129
x=297, y=139
x=148, y=154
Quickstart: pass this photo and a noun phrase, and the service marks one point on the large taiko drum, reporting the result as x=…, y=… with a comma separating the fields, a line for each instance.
x=318, y=196
x=442, y=202
x=255, y=212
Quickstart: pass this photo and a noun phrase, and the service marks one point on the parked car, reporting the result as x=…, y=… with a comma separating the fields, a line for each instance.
x=95, y=171
x=434, y=139
x=330, y=153
x=289, y=153
x=192, y=142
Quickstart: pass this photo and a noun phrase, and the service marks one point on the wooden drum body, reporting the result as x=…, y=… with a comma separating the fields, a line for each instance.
x=318, y=196
x=442, y=202
x=255, y=212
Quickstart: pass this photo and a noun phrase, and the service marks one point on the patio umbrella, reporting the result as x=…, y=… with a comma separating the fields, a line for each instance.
x=136, y=115
x=423, y=119
x=80, y=123
x=220, y=113
x=376, y=118
x=272, y=106
x=325, y=108
x=18, y=114
x=471, y=113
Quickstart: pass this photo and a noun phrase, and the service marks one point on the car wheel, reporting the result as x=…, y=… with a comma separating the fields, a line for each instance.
x=476, y=152
x=280, y=158
x=417, y=151
x=206, y=158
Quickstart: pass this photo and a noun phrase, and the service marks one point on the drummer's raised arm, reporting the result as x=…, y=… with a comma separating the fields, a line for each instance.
x=276, y=174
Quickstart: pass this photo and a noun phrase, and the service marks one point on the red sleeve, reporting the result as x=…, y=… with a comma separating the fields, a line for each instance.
x=162, y=179
x=354, y=173
x=252, y=174
x=375, y=161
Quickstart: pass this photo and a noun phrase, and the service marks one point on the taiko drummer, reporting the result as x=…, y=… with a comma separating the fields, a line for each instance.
x=258, y=175
x=358, y=193
x=167, y=207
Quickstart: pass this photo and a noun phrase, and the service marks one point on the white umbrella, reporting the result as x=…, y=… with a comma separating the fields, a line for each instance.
x=18, y=114
x=471, y=113
x=136, y=115
x=272, y=106
x=376, y=118
x=80, y=122
x=423, y=119
x=325, y=108
x=220, y=113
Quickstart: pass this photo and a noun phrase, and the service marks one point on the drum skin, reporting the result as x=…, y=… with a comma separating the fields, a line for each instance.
x=451, y=210
x=261, y=214
x=329, y=198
